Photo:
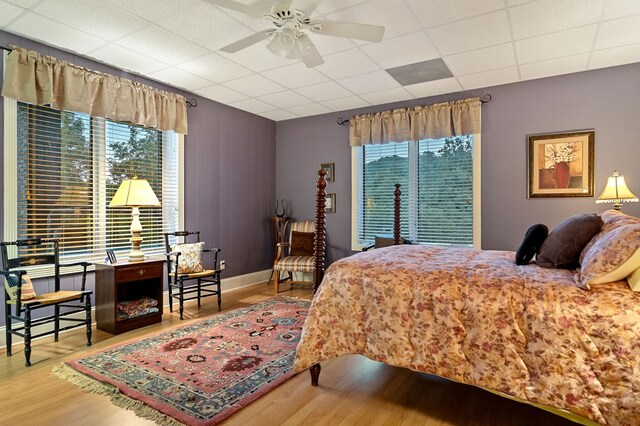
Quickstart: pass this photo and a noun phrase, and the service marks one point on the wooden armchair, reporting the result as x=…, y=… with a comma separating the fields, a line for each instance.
x=21, y=300
x=188, y=278
x=296, y=254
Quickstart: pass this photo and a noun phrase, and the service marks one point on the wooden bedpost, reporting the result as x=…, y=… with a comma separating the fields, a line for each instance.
x=319, y=237
x=396, y=215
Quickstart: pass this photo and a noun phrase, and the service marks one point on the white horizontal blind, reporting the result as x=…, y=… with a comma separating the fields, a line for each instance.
x=437, y=190
x=445, y=191
x=69, y=167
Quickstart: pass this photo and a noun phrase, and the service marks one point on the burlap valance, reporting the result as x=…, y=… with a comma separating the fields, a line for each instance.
x=45, y=80
x=435, y=121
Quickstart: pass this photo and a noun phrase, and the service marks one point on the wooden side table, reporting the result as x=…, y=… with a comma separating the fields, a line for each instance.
x=123, y=282
x=279, y=233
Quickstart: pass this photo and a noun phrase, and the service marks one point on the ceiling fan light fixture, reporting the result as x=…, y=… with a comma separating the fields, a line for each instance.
x=304, y=45
x=283, y=43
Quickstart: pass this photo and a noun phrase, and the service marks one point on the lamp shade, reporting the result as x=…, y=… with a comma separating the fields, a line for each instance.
x=134, y=193
x=616, y=191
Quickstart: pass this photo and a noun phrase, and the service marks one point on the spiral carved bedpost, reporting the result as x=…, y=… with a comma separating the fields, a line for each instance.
x=396, y=215
x=319, y=238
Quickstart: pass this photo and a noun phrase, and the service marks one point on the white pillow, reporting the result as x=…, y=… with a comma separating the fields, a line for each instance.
x=190, y=259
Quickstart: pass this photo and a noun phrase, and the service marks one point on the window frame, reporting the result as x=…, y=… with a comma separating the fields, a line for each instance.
x=10, y=220
x=357, y=153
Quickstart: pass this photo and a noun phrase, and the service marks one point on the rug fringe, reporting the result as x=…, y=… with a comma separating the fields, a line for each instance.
x=118, y=399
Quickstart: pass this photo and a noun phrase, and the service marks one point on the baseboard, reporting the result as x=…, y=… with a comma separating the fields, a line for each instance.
x=227, y=284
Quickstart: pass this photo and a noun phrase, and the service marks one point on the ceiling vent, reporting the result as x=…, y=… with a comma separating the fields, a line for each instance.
x=420, y=72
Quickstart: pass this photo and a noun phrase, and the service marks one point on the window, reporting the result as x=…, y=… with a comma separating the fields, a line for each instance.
x=67, y=168
x=440, y=190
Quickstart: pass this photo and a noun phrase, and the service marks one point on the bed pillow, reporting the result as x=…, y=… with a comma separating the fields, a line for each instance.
x=531, y=244
x=27, y=291
x=301, y=243
x=565, y=243
x=610, y=219
x=190, y=259
x=613, y=256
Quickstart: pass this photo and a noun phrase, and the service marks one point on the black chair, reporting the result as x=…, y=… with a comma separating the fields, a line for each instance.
x=190, y=284
x=65, y=303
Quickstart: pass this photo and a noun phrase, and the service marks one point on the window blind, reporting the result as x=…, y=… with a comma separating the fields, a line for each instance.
x=437, y=190
x=70, y=166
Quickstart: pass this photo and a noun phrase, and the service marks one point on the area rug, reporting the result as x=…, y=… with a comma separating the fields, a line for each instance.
x=201, y=373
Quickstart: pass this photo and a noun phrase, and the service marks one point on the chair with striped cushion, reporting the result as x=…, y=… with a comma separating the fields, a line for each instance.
x=296, y=255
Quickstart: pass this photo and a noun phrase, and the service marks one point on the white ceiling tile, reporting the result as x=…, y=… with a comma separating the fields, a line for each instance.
x=310, y=109
x=545, y=16
x=489, y=78
x=619, y=8
x=278, y=115
x=486, y=59
x=258, y=58
x=53, y=33
x=178, y=78
x=254, y=85
x=394, y=15
x=515, y=2
x=552, y=67
x=438, y=12
x=618, y=32
x=324, y=91
x=215, y=68
x=295, y=75
x=8, y=13
x=386, y=96
x=152, y=10
x=126, y=59
x=205, y=25
x=555, y=45
x=327, y=45
x=221, y=94
x=24, y=3
x=328, y=6
x=286, y=99
x=371, y=82
x=342, y=104
x=162, y=45
x=96, y=17
x=403, y=50
x=615, y=56
x=253, y=105
x=473, y=33
x=346, y=64
x=433, y=88
x=257, y=23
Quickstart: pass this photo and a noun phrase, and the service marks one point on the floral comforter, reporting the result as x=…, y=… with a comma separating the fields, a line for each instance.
x=476, y=317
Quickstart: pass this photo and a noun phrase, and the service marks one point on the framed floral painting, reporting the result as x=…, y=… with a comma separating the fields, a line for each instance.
x=561, y=164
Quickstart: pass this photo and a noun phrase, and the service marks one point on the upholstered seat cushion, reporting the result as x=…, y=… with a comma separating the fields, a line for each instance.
x=295, y=263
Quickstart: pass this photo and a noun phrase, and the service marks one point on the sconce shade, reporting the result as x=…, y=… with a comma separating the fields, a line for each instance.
x=134, y=193
x=616, y=192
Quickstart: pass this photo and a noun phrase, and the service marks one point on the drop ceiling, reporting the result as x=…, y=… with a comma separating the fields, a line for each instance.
x=483, y=42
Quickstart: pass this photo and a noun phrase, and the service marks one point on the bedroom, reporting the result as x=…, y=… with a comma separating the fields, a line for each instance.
x=239, y=163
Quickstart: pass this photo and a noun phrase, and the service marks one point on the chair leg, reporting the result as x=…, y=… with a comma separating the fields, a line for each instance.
x=87, y=307
x=170, y=297
x=7, y=322
x=56, y=322
x=199, y=287
x=27, y=336
x=181, y=299
x=276, y=280
x=219, y=292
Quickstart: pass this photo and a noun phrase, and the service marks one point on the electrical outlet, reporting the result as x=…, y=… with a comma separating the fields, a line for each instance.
x=223, y=264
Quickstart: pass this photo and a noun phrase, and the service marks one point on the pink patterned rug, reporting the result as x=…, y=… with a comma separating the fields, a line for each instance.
x=201, y=373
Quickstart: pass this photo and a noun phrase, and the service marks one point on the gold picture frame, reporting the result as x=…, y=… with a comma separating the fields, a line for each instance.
x=330, y=203
x=329, y=168
x=561, y=164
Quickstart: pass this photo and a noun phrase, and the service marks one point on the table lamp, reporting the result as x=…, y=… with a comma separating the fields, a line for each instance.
x=135, y=193
x=616, y=192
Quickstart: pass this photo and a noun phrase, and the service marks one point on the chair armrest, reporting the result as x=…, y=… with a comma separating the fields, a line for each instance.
x=212, y=250
x=83, y=264
x=283, y=244
x=369, y=247
x=17, y=272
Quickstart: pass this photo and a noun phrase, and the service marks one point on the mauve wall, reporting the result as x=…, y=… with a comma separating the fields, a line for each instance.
x=606, y=100
x=229, y=174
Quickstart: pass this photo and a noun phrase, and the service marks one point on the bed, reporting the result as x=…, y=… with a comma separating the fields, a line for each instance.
x=475, y=317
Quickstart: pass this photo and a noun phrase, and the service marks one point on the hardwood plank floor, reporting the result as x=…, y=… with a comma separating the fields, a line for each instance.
x=353, y=390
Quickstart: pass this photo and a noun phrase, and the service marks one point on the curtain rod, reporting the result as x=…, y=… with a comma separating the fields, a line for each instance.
x=485, y=99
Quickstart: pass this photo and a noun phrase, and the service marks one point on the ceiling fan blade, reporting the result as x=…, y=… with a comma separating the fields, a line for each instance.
x=256, y=10
x=247, y=41
x=307, y=6
x=308, y=52
x=364, y=32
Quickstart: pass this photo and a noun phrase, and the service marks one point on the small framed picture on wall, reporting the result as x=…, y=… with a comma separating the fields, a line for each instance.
x=330, y=203
x=329, y=168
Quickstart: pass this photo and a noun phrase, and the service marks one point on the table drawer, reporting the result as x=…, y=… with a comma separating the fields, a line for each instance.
x=139, y=272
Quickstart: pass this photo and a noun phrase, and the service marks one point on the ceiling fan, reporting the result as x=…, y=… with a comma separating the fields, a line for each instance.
x=292, y=22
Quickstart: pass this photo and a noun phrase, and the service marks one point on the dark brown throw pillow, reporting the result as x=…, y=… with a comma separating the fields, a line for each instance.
x=531, y=244
x=564, y=244
x=301, y=243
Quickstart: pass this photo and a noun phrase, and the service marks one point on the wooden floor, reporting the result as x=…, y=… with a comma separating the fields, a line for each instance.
x=352, y=391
